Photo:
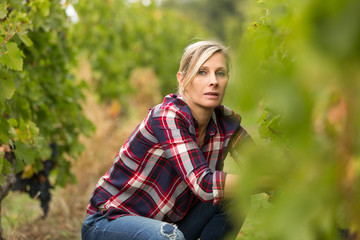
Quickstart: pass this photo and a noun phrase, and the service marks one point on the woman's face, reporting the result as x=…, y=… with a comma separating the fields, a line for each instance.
x=207, y=89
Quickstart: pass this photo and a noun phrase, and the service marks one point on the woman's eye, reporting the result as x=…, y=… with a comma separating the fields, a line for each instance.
x=201, y=72
x=221, y=74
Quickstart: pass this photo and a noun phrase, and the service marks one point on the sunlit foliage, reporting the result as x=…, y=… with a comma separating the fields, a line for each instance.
x=39, y=97
x=300, y=62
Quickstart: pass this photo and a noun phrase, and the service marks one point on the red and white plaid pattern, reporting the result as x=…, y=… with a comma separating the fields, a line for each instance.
x=161, y=172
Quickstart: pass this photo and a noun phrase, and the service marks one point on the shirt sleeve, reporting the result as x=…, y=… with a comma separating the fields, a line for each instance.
x=238, y=141
x=171, y=128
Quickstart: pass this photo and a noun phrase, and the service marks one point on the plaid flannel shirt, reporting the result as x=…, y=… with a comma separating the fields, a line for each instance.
x=161, y=172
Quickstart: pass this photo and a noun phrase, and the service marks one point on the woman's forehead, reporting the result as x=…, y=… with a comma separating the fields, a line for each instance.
x=217, y=59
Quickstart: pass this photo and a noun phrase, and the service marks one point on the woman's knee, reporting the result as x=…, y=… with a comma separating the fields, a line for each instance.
x=151, y=229
x=162, y=231
x=170, y=231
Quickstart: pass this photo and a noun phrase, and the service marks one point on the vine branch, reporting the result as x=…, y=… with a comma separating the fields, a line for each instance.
x=7, y=36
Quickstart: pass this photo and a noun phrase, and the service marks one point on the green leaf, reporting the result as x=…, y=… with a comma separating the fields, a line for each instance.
x=3, y=10
x=4, y=130
x=23, y=152
x=6, y=166
x=276, y=126
x=2, y=108
x=25, y=39
x=19, y=166
x=23, y=131
x=7, y=86
x=13, y=122
x=34, y=131
x=1, y=161
x=41, y=6
x=28, y=131
x=22, y=107
x=45, y=153
x=13, y=58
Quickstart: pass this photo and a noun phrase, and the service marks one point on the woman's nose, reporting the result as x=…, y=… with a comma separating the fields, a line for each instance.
x=213, y=79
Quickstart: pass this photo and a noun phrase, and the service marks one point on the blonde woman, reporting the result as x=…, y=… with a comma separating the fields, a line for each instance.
x=167, y=181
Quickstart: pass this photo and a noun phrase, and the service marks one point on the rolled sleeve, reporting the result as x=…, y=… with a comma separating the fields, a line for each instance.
x=218, y=186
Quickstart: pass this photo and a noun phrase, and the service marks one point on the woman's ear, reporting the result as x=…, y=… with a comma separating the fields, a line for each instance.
x=180, y=79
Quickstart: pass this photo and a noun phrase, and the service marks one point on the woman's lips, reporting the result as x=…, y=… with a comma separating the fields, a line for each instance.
x=211, y=95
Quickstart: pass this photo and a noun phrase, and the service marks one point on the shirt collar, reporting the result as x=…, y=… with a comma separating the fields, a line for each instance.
x=212, y=126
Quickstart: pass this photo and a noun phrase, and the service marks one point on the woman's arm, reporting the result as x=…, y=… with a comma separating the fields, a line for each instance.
x=232, y=183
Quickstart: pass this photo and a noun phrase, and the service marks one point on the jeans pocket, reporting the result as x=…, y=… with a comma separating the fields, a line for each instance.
x=86, y=228
x=90, y=220
x=89, y=226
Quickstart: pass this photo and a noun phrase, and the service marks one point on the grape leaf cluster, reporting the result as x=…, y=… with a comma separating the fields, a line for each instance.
x=40, y=98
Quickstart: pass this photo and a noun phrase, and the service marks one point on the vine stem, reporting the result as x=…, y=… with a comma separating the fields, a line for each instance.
x=8, y=36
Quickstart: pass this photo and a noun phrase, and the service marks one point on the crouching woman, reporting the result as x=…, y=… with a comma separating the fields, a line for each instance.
x=167, y=181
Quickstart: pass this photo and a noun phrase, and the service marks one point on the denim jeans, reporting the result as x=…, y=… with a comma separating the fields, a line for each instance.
x=204, y=221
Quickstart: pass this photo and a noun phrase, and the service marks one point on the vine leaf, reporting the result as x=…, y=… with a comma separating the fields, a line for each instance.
x=13, y=58
x=271, y=125
x=4, y=130
x=23, y=152
x=25, y=39
x=3, y=11
x=5, y=168
x=7, y=87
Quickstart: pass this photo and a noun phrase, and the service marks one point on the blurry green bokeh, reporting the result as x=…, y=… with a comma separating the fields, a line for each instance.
x=300, y=62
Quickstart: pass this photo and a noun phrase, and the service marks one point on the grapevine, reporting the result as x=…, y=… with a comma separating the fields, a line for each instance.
x=8, y=35
x=39, y=99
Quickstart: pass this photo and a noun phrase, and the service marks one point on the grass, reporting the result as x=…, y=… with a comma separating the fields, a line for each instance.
x=18, y=209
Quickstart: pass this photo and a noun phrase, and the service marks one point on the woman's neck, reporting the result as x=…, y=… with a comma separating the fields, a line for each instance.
x=202, y=115
x=203, y=119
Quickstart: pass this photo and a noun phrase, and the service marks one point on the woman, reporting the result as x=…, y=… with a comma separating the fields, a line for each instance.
x=166, y=181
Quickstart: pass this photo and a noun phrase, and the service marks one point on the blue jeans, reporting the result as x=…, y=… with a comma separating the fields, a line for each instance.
x=205, y=221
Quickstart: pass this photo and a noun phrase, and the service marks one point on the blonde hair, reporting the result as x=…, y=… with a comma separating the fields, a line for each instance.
x=195, y=55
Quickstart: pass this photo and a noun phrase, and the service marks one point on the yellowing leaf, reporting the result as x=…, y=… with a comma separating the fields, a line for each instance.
x=28, y=172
